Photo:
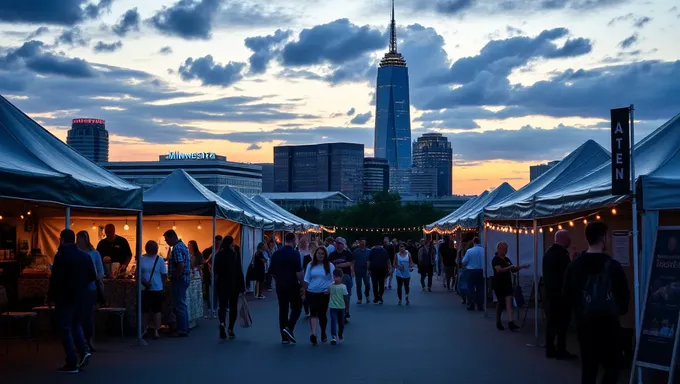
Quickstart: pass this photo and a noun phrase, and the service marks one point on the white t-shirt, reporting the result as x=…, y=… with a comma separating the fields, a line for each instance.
x=317, y=279
x=147, y=265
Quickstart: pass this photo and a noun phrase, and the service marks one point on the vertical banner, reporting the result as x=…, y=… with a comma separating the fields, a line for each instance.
x=620, y=148
x=662, y=306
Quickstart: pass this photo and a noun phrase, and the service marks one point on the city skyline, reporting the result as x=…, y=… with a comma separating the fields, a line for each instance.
x=508, y=86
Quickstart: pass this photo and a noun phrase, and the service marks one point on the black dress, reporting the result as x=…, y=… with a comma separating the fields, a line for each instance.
x=258, y=267
x=502, y=281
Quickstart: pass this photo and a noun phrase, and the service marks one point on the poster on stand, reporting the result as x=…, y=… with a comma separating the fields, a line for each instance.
x=659, y=332
x=621, y=247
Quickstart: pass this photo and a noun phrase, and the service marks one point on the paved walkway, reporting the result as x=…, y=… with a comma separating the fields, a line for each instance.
x=432, y=340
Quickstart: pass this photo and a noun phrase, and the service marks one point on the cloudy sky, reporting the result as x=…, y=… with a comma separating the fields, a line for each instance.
x=511, y=82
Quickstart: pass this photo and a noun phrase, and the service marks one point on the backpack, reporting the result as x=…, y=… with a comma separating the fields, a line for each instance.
x=598, y=302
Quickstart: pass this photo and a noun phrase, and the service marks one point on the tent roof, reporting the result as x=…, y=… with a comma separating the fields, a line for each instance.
x=470, y=216
x=593, y=191
x=457, y=212
x=660, y=186
x=241, y=201
x=179, y=193
x=35, y=165
x=303, y=195
x=261, y=200
x=520, y=205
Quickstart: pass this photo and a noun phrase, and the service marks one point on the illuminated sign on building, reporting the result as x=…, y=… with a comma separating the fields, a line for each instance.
x=191, y=156
x=88, y=121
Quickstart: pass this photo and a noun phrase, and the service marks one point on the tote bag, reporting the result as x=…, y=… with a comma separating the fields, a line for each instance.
x=245, y=320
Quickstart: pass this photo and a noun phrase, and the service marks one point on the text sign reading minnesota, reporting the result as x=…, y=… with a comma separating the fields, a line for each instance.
x=191, y=156
x=620, y=151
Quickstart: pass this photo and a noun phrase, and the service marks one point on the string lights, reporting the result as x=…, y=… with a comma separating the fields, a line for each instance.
x=550, y=227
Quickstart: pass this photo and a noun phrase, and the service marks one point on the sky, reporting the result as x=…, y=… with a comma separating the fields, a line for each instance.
x=511, y=83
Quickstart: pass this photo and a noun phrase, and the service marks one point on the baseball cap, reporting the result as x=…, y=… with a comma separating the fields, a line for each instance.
x=341, y=241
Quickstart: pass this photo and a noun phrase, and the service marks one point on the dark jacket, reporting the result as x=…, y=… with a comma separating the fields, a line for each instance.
x=555, y=263
x=427, y=256
x=72, y=273
x=228, y=272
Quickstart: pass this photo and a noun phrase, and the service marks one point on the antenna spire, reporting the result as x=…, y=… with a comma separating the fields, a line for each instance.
x=393, y=32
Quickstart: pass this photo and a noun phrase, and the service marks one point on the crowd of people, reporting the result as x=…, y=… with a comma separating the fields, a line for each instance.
x=319, y=278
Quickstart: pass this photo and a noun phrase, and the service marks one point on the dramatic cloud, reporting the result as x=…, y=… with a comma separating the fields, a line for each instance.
x=351, y=112
x=265, y=48
x=241, y=14
x=165, y=50
x=458, y=7
x=62, y=12
x=33, y=56
x=361, y=118
x=93, y=11
x=337, y=42
x=128, y=22
x=629, y=41
x=189, y=19
x=37, y=33
x=638, y=21
x=210, y=73
x=73, y=36
x=112, y=47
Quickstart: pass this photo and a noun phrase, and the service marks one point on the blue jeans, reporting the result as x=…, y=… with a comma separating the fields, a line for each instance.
x=475, y=288
x=348, y=281
x=337, y=322
x=70, y=318
x=363, y=281
x=179, y=303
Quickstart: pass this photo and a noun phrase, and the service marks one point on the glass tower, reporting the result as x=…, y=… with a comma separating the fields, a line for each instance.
x=393, y=115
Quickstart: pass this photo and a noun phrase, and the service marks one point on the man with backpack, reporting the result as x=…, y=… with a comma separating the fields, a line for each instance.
x=596, y=289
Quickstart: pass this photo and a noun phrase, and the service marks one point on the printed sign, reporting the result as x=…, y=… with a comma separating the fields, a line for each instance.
x=620, y=136
x=191, y=156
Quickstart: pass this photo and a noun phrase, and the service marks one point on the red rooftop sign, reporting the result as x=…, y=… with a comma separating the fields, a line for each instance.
x=88, y=121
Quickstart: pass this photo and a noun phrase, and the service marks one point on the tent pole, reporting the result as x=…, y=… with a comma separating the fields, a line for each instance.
x=517, y=250
x=636, y=256
x=138, y=277
x=536, y=295
x=212, y=260
x=68, y=218
x=486, y=277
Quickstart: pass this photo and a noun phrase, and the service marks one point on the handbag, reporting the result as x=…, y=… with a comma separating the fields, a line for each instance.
x=245, y=320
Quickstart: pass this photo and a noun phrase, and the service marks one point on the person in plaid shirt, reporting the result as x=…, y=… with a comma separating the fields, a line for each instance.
x=179, y=272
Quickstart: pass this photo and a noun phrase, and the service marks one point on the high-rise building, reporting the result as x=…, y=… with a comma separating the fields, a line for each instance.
x=433, y=150
x=333, y=167
x=424, y=182
x=392, y=113
x=90, y=138
x=267, y=177
x=376, y=175
x=537, y=170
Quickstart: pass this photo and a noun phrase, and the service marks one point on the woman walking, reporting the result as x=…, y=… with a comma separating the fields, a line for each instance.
x=229, y=284
x=403, y=264
x=313, y=245
x=318, y=278
x=259, y=263
x=154, y=273
x=502, y=285
x=83, y=242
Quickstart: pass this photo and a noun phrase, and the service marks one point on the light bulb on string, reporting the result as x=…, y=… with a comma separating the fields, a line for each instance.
x=598, y=217
x=540, y=230
x=159, y=225
x=126, y=226
x=585, y=221
x=94, y=226
x=22, y=217
x=199, y=225
x=174, y=227
x=532, y=231
x=550, y=229
x=28, y=213
x=559, y=227
x=613, y=211
x=0, y=217
x=571, y=223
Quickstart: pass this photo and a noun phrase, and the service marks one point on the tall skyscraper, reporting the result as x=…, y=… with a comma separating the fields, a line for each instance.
x=376, y=176
x=537, y=170
x=333, y=167
x=392, y=114
x=433, y=150
x=90, y=138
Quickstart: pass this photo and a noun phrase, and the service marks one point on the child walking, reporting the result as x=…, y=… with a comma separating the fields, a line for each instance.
x=338, y=294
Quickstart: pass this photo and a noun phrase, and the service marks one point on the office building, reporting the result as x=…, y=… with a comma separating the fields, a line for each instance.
x=333, y=167
x=424, y=182
x=267, y=177
x=319, y=200
x=446, y=203
x=212, y=171
x=537, y=170
x=392, y=136
x=433, y=151
x=90, y=138
x=376, y=176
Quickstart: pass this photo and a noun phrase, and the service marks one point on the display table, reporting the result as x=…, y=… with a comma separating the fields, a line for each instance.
x=120, y=293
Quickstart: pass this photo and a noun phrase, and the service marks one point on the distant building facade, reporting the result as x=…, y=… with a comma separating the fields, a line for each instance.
x=392, y=136
x=319, y=200
x=537, y=170
x=446, y=203
x=376, y=176
x=424, y=182
x=332, y=167
x=433, y=151
x=90, y=138
x=267, y=177
x=212, y=171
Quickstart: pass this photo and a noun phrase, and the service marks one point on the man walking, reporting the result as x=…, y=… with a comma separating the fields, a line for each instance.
x=426, y=260
x=286, y=269
x=379, y=265
x=474, y=271
x=343, y=258
x=555, y=263
x=361, y=271
x=595, y=286
x=179, y=273
x=72, y=273
x=447, y=256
